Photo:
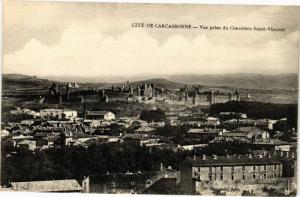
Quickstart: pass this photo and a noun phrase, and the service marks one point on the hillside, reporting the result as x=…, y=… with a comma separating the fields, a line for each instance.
x=17, y=82
x=161, y=83
x=245, y=81
x=287, y=82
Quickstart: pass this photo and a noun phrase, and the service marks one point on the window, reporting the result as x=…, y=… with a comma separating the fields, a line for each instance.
x=221, y=177
x=221, y=168
x=243, y=177
x=275, y=175
x=232, y=177
x=265, y=167
x=275, y=167
x=254, y=167
x=210, y=178
x=254, y=176
x=209, y=169
x=232, y=168
x=243, y=168
x=265, y=176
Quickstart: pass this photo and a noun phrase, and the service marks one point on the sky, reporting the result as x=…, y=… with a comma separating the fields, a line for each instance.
x=97, y=39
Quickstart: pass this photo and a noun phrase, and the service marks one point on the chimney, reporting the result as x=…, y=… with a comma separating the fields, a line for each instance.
x=269, y=155
x=250, y=156
x=281, y=153
x=204, y=157
x=194, y=157
x=260, y=156
x=161, y=167
x=293, y=154
x=287, y=154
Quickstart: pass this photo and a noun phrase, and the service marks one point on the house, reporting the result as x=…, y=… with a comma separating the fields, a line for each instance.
x=242, y=172
x=53, y=113
x=24, y=111
x=233, y=136
x=212, y=121
x=68, y=185
x=4, y=133
x=193, y=146
x=70, y=114
x=102, y=115
x=256, y=133
x=21, y=137
x=27, y=144
x=130, y=183
x=275, y=144
x=27, y=122
x=116, y=183
x=58, y=113
x=228, y=115
x=203, y=134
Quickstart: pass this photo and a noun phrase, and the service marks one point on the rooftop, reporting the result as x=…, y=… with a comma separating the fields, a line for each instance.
x=47, y=186
x=97, y=112
x=249, y=130
x=121, y=177
x=232, y=160
x=273, y=142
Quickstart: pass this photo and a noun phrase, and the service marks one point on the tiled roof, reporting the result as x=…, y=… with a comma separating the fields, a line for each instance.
x=96, y=113
x=121, y=177
x=249, y=130
x=273, y=142
x=234, y=134
x=233, y=160
x=47, y=186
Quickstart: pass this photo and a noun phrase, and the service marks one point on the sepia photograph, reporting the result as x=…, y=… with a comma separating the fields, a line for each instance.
x=149, y=98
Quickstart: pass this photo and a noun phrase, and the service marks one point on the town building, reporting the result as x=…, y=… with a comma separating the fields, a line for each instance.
x=68, y=185
x=130, y=183
x=101, y=115
x=58, y=113
x=246, y=172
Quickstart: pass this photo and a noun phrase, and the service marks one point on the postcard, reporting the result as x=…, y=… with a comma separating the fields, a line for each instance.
x=148, y=98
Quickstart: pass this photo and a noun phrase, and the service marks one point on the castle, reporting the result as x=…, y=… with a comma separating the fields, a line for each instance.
x=59, y=92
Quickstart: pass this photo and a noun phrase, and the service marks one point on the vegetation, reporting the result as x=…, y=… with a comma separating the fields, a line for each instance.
x=177, y=133
x=77, y=162
x=258, y=110
x=153, y=115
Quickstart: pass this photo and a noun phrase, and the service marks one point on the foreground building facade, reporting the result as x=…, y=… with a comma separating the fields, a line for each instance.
x=233, y=173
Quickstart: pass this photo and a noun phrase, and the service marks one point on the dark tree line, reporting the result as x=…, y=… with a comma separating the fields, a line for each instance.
x=258, y=110
x=76, y=162
x=153, y=115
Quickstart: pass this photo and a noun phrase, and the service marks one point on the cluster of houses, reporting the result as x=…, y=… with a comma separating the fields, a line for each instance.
x=273, y=165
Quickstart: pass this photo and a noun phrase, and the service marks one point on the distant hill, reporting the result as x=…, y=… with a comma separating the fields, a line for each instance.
x=245, y=81
x=161, y=83
x=18, y=81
